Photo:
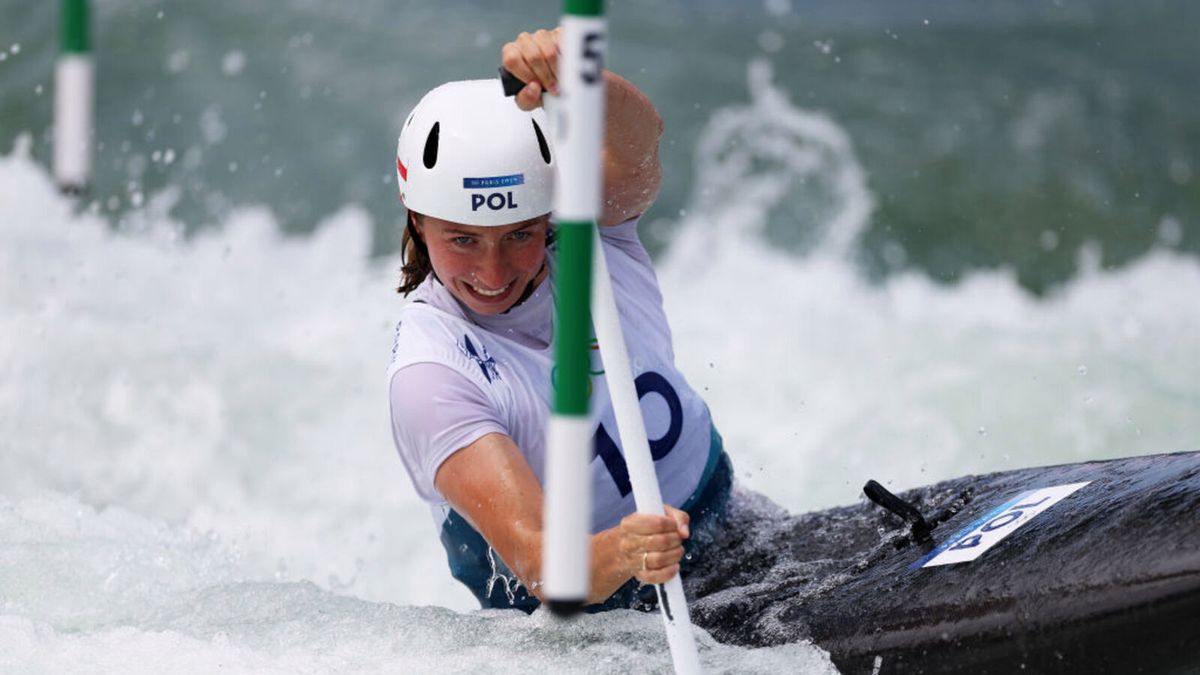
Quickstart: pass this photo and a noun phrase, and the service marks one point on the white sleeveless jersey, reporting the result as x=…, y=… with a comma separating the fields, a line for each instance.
x=515, y=379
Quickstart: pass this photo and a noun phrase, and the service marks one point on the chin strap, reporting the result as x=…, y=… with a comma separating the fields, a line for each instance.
x=529, y=289
x=531, y=286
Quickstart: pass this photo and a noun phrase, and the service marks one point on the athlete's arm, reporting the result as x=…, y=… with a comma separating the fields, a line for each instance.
x=492, y=486
x=632, y=127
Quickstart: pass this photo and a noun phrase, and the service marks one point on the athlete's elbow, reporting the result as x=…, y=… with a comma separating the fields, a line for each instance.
x=527, y=564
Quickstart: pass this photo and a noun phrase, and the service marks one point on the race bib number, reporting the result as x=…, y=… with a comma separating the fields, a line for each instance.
x=975, y=539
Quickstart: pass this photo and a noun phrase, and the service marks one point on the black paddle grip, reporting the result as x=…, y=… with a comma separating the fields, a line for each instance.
x=511, y=83
x=881, y=496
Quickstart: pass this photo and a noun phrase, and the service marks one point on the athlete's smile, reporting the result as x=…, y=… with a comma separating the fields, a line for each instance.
x=486, y=268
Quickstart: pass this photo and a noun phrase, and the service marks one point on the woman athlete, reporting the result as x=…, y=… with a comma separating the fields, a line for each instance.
x=472, y=367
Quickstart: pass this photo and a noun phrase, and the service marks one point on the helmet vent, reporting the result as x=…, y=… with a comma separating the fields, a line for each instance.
x=431, y=146
x=541, y=142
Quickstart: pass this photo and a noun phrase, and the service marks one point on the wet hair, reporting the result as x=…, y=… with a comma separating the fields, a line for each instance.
x=416, y=265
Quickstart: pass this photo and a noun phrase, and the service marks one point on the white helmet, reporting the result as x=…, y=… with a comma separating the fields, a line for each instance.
x=469, y=155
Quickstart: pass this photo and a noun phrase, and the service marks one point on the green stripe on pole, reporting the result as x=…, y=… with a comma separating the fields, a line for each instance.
x=584, y=7
x=573, y=321
x=75, y=26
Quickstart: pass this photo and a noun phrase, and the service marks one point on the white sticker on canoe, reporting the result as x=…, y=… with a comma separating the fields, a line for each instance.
x=976, y=538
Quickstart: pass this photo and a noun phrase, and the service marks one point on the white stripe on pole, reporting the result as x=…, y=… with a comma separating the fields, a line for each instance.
x=567, y=516
x=73, y=103
x=632, y=430
x=577, y=196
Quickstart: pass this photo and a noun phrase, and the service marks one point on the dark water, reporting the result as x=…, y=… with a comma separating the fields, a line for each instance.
x=991, y=134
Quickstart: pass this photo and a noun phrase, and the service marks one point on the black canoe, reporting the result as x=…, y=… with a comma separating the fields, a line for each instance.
x=1105, y=579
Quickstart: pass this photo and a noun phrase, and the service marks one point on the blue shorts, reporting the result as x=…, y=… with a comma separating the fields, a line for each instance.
x=474, y=564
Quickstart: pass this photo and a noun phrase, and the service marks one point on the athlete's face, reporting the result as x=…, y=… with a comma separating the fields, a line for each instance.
x=486, y=268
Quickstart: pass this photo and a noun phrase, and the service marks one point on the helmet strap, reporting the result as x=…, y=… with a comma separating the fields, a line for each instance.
x=531, y=286
x=529, y=289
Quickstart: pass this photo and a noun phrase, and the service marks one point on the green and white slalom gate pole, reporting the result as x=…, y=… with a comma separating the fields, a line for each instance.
x=578, y=137
x=74, y=89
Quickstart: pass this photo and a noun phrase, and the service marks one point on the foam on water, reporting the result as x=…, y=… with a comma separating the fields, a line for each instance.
x=110, y=591
x=820, y=379
x=197, y=472
x=196, y=469
x=228, y=381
